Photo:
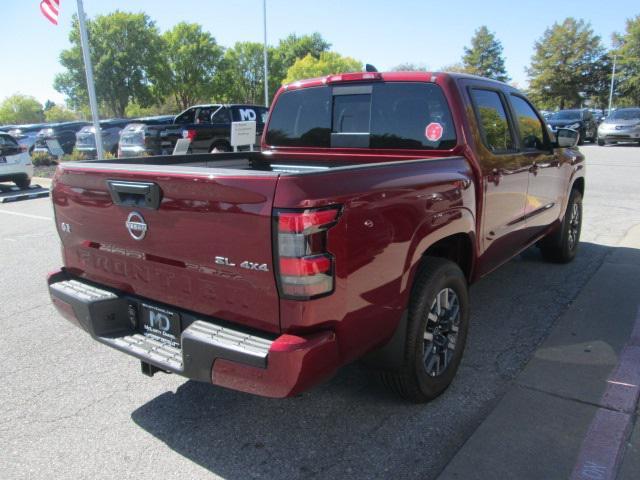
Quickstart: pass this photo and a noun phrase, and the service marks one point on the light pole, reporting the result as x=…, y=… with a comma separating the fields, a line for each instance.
x=613, y=76
x=266, y=68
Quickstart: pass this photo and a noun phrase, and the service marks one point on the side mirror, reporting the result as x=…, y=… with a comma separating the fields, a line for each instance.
x=566, y=138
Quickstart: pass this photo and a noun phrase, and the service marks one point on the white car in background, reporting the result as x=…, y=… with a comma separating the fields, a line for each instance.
x=15, y=162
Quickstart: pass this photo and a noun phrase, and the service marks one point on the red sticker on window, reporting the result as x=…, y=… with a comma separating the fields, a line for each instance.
x=434, y=132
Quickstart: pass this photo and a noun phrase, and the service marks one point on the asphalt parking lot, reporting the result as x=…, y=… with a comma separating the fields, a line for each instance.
x=76, y=409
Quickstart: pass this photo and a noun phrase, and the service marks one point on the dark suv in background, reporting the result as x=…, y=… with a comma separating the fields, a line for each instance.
x=64, y=132
x=580, y=120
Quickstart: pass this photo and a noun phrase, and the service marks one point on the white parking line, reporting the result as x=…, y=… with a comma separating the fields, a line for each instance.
x=28, y=215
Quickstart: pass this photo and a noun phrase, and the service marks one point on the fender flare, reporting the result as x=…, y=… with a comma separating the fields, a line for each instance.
x=454, y=222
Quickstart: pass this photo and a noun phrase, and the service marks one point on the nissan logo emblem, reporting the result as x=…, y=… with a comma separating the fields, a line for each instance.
x=136, y=225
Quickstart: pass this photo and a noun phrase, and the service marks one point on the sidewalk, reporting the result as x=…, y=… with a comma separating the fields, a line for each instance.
x=571, y=412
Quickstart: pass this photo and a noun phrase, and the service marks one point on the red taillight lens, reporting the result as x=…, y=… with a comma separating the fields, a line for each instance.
x=305, y=267
x=306, y=221
x=190, y=134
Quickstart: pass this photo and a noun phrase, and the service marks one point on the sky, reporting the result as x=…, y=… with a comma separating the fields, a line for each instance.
x=384, y=33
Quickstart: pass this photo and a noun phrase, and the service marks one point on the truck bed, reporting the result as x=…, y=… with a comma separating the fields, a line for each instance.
x=223, y=163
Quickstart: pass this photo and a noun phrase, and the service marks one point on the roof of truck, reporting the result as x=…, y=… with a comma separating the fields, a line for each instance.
x=384, y=76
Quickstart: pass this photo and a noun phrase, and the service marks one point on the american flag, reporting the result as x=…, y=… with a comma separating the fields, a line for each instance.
x=49, y=9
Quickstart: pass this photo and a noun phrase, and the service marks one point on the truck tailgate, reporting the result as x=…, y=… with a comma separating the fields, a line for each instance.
x=201, y=247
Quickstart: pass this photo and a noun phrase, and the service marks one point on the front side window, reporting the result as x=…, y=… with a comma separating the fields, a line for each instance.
x=531, y=128
x=394, y=115
x=7, y=141
x=492, y=117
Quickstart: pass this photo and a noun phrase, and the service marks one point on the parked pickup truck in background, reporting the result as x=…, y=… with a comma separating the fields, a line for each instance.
x=207, y=126
x=376, y=200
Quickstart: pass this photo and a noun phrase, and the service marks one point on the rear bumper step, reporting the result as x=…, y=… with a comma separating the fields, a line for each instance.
x=111, y=319
x=209, y=350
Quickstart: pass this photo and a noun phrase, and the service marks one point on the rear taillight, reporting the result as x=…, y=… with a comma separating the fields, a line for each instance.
x=190, y=134
x=305, y=269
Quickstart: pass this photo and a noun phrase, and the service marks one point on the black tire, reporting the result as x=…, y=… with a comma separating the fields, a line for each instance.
x=23, y=183
x=601, y=142
x=412, y=380
x=220, y=147
x=562, y=245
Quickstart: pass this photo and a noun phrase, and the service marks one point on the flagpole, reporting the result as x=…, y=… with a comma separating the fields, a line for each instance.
x=90, y=86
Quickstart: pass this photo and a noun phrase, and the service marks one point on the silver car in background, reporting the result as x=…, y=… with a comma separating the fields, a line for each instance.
x=86, y=137
x=623, y=125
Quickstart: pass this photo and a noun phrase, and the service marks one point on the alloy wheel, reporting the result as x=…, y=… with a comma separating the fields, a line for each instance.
x=441, y=332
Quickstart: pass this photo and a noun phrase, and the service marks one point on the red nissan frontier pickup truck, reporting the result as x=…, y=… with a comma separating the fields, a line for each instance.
x=376, y=200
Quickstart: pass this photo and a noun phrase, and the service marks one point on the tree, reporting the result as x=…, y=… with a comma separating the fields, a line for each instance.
x=293, y=47
x=192, y=59
x=57, y=113
x=628, y=51
x=126, y=51
x=564, y=65
x=484, y=57
x=290, y=49
x=455, y=68
x=326, y=64
x=410, y=67
x=242, y=74
x=18, y=109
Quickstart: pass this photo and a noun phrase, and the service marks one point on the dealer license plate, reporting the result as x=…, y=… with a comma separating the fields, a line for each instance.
x=161, y=324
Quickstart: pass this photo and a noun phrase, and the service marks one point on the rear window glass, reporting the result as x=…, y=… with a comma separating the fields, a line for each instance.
x=390, y=115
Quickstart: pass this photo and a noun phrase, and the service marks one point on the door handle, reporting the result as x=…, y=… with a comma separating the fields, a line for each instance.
x=135, y=194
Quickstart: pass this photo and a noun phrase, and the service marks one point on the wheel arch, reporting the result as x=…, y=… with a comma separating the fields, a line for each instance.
x=578, y=184
x=455, y=241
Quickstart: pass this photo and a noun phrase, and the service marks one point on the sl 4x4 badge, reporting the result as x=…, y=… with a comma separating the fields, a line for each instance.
x=225, y=262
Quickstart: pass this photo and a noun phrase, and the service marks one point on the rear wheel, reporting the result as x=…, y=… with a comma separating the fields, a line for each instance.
x=220, y=147
x=601, y=142
x=561, y=246
x=436, y=332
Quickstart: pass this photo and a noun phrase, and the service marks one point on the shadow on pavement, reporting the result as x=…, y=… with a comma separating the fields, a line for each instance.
x=350, y=427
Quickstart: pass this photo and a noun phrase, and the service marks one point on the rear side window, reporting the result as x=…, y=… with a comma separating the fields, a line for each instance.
x=494, y=124
x=393, y=115
x=531, y=128
x=7, y=141
x=301, y=118
x=248, y=114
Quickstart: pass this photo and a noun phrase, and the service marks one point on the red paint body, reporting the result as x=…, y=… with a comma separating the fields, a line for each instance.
x=392, y=213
